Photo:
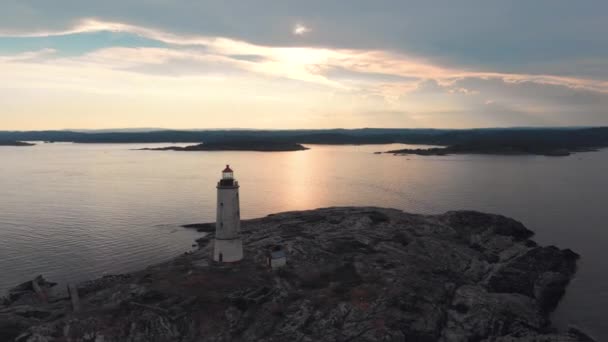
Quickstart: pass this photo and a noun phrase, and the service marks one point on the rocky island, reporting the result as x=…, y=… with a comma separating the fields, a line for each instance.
x=352, y=274
x=236, y=145
x=496, y=150
x=15, y=143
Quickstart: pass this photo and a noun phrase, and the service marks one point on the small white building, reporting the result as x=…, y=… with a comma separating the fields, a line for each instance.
x=277, y=258
x=228, y=246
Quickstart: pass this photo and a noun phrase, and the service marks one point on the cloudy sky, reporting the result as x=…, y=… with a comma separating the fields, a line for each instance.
x=302, y=64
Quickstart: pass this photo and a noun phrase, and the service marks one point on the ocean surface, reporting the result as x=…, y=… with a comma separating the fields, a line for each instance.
x=77, y=211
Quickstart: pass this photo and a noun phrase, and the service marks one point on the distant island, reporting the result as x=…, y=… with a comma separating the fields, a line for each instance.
x=352, y=274
x=237, y=145
x=505, y=149
x=15, y=143
x=535, y=141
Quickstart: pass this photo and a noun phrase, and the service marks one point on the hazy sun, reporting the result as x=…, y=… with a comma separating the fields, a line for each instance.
x=300, y=30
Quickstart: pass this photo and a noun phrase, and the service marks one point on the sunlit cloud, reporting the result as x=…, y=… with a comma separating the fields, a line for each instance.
x=225, y=68
x=28, y=55
x=308, y=63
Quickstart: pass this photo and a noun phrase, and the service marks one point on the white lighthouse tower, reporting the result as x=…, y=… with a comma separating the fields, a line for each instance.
x=228, y=246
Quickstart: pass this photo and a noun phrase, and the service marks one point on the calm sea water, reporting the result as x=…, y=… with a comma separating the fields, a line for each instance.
x=75, y=211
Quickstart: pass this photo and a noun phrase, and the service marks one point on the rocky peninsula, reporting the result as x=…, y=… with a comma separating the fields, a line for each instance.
x=507, y=149
x=259, y=146
x=15, y=143
x=353, y=274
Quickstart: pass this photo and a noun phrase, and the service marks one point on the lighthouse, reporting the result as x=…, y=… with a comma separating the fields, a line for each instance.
x=228, y=246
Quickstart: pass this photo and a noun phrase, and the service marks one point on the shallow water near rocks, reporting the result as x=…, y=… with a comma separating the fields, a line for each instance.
x=76, y=211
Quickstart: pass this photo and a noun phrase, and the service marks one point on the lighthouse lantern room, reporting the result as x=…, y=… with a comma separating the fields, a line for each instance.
x=228, y=173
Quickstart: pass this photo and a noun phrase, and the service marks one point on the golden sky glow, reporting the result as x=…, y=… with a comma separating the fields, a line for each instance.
x=199, y=81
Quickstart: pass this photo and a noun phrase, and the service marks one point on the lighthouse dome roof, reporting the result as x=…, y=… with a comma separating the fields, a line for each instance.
x=227, y=169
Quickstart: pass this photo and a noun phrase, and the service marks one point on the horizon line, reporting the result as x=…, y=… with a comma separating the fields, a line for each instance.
x=161, y=129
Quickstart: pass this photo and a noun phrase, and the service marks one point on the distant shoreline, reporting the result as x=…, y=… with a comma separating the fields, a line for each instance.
x=499, y=141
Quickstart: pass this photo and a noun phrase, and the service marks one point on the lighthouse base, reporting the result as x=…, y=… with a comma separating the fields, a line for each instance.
x=227, y=250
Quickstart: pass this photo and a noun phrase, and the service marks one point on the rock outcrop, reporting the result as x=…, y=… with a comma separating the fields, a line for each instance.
x=353, y=274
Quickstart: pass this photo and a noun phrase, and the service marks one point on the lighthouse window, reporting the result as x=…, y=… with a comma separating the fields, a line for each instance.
x=221, y=204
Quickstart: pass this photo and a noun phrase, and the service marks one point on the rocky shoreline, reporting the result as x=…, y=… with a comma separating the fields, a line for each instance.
x=353, y=274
